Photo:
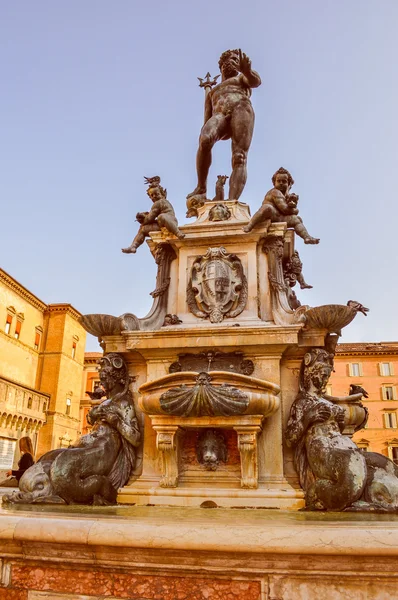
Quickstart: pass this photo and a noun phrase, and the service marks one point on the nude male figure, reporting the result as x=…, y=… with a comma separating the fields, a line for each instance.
x=280, y=207
x=228, y=115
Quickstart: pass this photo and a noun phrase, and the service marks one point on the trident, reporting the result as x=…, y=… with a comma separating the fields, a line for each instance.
x=207, y=83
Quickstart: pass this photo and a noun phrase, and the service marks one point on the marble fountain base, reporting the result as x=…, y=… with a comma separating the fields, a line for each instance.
x=159, y=553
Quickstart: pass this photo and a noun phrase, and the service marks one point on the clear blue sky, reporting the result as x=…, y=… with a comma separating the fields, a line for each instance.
x=96, y=94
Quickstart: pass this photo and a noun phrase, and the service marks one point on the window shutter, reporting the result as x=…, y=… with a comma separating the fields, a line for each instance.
x=380, y=368
x=394, y=420
x=18, y=327
x=394, y=392
x=37, y=338
x=386, y=422
x=350, y=369
x=360, y=369
x=391, y=368
x=9, y=319
x=383, y=393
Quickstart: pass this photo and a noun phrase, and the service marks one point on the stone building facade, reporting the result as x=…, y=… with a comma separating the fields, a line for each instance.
x=373, y=366
x=41, y=365
x=89, y=380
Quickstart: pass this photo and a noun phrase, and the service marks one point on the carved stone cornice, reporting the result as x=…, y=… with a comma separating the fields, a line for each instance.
x=22, y=291
x=64, y=308
x=370, y=349
x=7, y=380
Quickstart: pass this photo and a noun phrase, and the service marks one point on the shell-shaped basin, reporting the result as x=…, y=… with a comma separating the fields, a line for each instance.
x=332, y=317
x=100, y=325
x=217, y=393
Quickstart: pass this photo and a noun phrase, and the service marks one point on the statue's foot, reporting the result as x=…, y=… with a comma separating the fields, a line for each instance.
x=129, y=250
x=246, y=229
x=305, y=286
x=198, y=191
x=311, y=240
x=180, y=235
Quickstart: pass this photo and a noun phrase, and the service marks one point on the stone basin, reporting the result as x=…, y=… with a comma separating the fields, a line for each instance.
x=217, y=393
x=332, y=317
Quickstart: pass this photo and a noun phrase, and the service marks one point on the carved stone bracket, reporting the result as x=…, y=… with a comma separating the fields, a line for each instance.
x=167, y=445
x=281, y=311
x=247, y=444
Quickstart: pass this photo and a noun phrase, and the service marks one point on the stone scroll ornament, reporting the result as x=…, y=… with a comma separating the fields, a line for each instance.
x=217, y=287
x=204, y=399
x=333, y=472
x=100, y=462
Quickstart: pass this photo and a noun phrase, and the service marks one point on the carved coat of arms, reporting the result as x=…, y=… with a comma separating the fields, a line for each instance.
x=217, y=286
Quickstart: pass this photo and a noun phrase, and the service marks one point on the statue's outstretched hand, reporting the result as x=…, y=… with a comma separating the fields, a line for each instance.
x=245, y=64
x=319, y=413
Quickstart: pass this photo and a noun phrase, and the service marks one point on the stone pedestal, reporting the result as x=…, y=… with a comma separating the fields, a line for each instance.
x=227, y=288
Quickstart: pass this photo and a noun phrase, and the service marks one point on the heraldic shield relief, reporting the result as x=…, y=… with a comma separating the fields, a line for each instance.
x=217, y=286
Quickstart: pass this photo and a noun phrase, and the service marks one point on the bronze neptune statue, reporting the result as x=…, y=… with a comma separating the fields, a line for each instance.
x=228, y=115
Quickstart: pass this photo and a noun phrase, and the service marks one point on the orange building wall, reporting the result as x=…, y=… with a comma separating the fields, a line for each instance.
x=90, y=377
x=376, y=436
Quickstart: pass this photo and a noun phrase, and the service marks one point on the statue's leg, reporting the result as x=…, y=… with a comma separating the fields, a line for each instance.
x=303, y=284
x=171, y=225
x=139, y=239
x=299, y=227
x=212, y=131
x=263, y=214
x=242, y=123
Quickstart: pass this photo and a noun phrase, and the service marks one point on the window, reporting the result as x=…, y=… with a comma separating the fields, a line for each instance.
x=386, y=369
x=364, y=447
x=30, y=402
x=389, y=392
x=68, y=405
x=390, y=420
x=8, y=324
x=355, y=370
x=394, y=454
x=73, y=349
x=18, y=329
x=37, y=340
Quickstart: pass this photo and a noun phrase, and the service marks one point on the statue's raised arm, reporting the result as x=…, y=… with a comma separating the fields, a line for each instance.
x=251, y=78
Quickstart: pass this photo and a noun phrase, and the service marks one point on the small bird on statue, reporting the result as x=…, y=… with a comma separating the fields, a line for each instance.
x=358, y=307
x=357, y=389
x=97, y=394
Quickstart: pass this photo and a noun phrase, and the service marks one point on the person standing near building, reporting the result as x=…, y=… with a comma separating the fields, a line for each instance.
x=26, y=460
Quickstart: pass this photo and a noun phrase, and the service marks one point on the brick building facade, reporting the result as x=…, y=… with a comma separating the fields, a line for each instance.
x=373, y=366
x=41, y=365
